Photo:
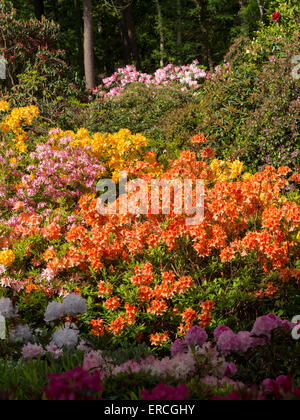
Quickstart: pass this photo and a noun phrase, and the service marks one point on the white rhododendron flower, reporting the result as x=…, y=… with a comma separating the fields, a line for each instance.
x=20, y=334
x=6, y=308
x=66, y=336
x=54, y=311
x=74, y=304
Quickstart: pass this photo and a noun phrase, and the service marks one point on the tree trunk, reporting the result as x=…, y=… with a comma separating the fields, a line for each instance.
x=261, y=10
x=88, y=45
x=243, y=19
x=161, y=33
x=125, y=38
x=179, y=31
x=38, y=8
x=128, y=34
x=204, y=26
x=55, y=9
x=79, y=31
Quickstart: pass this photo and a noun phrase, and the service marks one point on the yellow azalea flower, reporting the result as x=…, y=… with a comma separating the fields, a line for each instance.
x=82, y=133
x=19, y=186
x=236, y=169
x=21, y=137
x=262, y=196
x=5, y=127
x=246, y=176
x=4, y=106
x=7, y=257
x=115, y=176
x=298, y=236
x=13, y=161
x=283, y=200
x=21, y=146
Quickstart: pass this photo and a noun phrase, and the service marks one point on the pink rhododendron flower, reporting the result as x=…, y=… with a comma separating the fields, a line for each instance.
x=178, y=347
x=32, y=351
x=219, y=330
x=196, y=336
x=228, y=341
x=265, y=324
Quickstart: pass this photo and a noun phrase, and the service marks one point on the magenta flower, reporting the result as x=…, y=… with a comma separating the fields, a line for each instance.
x=276, y=16
x=75, y=384
x=166, y=392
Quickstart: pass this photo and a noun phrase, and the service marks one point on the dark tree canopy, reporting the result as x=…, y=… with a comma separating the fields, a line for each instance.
x=147, y=33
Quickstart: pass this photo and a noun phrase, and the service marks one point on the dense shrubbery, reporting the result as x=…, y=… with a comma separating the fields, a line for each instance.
x=142, y=305
x=248, y=109
x=37, y=72
x=147, y=279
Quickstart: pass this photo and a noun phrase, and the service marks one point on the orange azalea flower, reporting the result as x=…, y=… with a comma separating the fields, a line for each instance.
x=184, y=284
x=207, y=153
x=98, y=328
x=31, y=288
x=49, y=254
x=259, y=294
x=51, y=232
x=271, y=290
x=189, y=316
x=143, y=276
x=183, y=328
x=112, y=303
x=145, y=293
x=131, y=312
x=104, y=289
x=205, y=319
x=199, y=139
x=284, y=170
x=207, y=306
x=157, y=307
x=296, y=178
x=158, y=339
x=118, y=325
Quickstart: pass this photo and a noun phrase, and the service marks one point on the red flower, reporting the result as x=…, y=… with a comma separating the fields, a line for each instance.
x=276, y=16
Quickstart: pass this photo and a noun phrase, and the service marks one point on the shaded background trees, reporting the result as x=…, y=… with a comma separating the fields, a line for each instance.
x=148, y=33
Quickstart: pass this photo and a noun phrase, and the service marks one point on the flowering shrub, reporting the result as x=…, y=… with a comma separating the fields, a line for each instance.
x=76, y=384
x=188, y=76
x=81, y=284
x=279, y=389
x=248, y=218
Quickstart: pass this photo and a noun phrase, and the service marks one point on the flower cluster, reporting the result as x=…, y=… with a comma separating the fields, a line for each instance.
x=75, y=384
x=7, y=257
x=227, y=341
x=279, y=389
x=14, y=122
x=188, y=76
x=72, y=305
x=6, y=308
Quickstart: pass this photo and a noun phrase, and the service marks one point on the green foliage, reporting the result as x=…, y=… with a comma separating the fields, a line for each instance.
x=279, y=357
x=25, y=380
x=126, y=386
